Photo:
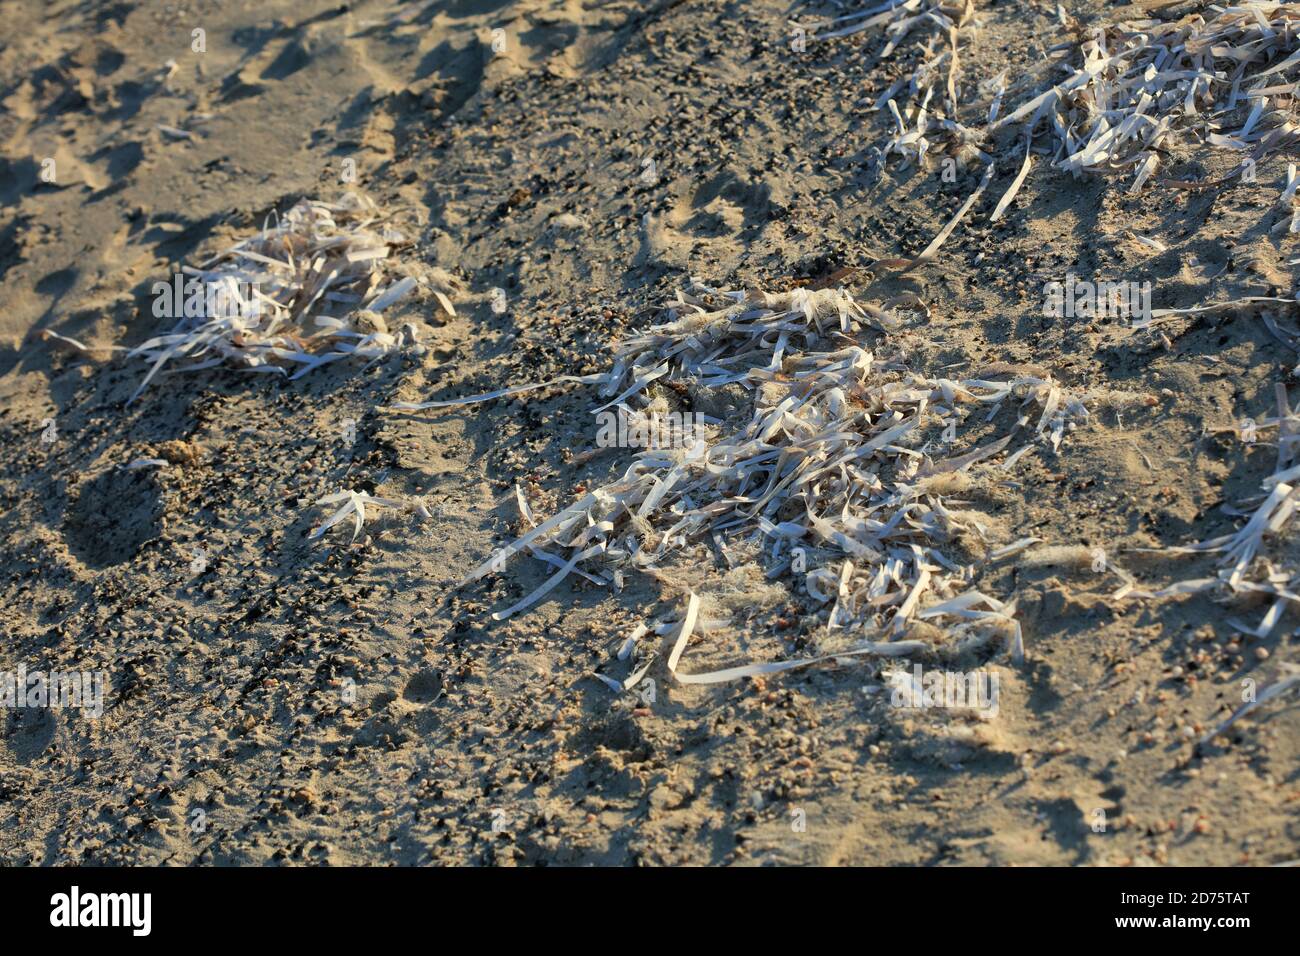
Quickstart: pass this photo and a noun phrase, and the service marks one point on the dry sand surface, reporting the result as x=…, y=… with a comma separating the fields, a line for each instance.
x=278, y=697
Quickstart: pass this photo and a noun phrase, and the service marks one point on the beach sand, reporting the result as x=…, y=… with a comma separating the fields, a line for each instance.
x=279, y=699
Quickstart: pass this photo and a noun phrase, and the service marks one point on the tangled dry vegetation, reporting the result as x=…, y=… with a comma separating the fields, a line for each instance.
x=837, y=463
x=305, y=291
x=1134, y=94
x=1137, y=91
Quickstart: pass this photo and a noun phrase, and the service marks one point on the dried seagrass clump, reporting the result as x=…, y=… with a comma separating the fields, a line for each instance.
x=925, y=102
x=1133, y=94
x=839, y=471
x=1138, y=90
x=305, y=291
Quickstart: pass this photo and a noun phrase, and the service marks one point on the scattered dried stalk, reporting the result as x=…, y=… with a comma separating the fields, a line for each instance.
x=922, y=129
x=355, y=504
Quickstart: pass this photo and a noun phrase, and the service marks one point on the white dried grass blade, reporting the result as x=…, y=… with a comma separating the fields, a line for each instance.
x=547, y=585
x=445, y=303
x=1014, y=188
x=944, y=233
x=1276, y=689
x=392, y=295
x=878, y=649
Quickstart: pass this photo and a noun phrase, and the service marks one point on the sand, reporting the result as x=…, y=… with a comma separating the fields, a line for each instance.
x=278, y=699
